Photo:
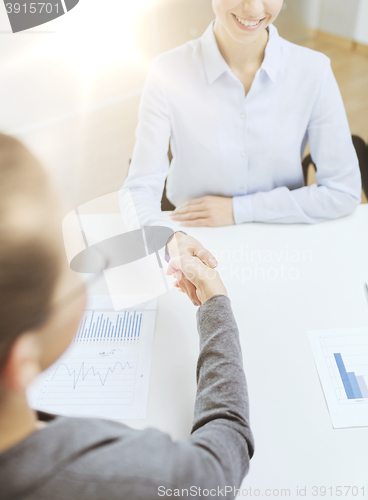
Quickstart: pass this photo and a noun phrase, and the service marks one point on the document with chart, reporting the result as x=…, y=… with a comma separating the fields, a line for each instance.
x=341, y=357
x=105, y=372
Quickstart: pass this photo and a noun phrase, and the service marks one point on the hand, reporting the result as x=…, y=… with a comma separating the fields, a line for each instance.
x=207, y=281
x=210, y=211
x=182, y=244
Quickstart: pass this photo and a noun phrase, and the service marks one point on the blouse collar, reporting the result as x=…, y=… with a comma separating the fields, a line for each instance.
x=215, y=64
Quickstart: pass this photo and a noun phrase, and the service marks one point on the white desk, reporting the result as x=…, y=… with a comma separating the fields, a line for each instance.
x=279, y=299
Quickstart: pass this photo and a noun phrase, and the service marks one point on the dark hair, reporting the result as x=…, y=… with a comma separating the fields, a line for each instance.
x=29, y=254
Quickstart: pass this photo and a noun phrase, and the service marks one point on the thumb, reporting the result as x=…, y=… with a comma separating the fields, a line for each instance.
x=205, y=256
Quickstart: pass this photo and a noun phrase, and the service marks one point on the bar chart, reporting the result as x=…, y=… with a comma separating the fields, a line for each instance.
x=355, y=385
x=341, y=358
x=346, y=357
x=101, y=326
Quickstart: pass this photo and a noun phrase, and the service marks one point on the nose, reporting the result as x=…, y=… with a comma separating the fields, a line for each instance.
x=253, y=8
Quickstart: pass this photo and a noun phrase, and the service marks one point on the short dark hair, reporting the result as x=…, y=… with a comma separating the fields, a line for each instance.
x=29, y=255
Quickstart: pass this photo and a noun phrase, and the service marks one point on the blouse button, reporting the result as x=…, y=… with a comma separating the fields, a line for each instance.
x=242, y=115
x=242, y=154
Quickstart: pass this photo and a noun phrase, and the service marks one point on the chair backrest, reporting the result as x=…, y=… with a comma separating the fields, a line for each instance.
x=166, y=205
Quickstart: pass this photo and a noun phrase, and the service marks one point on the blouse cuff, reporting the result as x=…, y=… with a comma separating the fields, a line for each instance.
x=243, y=209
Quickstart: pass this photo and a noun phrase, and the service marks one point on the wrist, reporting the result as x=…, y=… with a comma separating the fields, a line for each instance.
x=177, y=235
x=210, y=287
x=213, y=297
x=212, y=293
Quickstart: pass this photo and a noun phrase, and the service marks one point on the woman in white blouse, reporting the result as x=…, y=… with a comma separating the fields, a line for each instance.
x=238, y=106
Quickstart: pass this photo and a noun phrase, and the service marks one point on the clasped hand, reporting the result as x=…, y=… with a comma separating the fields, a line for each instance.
x=193, y=267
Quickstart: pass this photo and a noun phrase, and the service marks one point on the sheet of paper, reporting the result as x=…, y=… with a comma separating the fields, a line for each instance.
x=130, y=284
x=341, y=357
x=105, y=372
x=139, y=281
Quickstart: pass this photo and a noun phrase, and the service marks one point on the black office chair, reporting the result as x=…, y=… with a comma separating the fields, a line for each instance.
x=361, y=149
x=166, y=205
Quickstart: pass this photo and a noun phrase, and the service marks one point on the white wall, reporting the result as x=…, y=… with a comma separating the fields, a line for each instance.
x=312, y=12
x=339, y=17
x=71, y=88
x=292, y=23
x=361, y=29
x=348, y=19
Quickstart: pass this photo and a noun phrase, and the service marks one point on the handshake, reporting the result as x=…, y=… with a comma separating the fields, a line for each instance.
x=193, y=267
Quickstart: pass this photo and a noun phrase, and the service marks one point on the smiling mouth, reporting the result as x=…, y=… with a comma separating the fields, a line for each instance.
x=247, y=23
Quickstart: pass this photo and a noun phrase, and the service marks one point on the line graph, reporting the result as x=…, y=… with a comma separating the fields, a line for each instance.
x=90, y=380
x=82, y=374
x=105, y=371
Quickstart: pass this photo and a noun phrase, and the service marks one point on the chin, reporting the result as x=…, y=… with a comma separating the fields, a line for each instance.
x=246, y=38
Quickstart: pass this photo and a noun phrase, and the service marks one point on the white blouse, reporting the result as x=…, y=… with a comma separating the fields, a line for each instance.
x=248, y=147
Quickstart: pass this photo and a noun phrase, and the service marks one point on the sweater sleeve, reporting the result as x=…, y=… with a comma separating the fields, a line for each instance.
x=89, y=459
x=218, y=451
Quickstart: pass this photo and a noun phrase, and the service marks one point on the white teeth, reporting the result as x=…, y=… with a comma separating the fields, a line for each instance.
x=248, y=23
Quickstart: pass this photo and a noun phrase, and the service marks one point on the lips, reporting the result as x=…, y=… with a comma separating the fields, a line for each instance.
x=249, y=24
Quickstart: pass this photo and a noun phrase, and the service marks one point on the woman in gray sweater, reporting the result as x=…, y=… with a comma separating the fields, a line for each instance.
x=41, y=304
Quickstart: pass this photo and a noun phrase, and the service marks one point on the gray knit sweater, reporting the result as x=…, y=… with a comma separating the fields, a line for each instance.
x=89, y=459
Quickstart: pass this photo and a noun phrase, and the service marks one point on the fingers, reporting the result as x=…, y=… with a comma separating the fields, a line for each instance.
x=178, y=275
x=191, y=203
x=203, y=222
x=171, y=269
x=185, y=286
x=190, y=290
x=198, y=250
x=198, y=280
x=189, y=246
x=206, y=257
x=209, y=211
x=189, y=215
x=174, y=265
x=193, y=269
x=190, y=211
x=188, y=266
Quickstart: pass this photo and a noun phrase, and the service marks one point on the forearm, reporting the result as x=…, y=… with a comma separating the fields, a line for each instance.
x=150, y=163
x=309, y=204
x=146, y=203
x=221, y=417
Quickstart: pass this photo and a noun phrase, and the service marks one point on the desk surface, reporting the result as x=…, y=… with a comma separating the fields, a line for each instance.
x=282, y=281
